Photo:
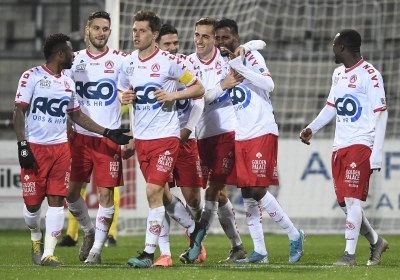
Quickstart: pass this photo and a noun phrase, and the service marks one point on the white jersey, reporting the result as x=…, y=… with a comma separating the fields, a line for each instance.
x=252, y=104
x=356, y=93
x=218, y=116
x=96, y=79
x=153, y=120
x=49, y=96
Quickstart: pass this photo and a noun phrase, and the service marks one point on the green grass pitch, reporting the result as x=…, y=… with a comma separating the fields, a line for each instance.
x=320, y=252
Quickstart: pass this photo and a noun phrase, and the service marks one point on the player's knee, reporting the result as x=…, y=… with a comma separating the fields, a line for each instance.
x=33, y=208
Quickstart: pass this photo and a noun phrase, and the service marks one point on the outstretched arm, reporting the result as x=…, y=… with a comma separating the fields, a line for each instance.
x=380, y=129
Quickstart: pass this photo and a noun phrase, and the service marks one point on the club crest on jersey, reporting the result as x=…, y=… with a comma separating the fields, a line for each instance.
x=241, y=97
x=80, y=68
x=348, y=108
x=155, y=67
x=45, y=84
x=218, y=65
x=109, y=64
x=353, y=79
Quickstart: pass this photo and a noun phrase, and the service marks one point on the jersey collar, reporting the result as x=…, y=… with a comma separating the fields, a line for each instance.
x=149, y=57
x=208, y=62
x=97, y=56
x=50, y=72
x=354, y=66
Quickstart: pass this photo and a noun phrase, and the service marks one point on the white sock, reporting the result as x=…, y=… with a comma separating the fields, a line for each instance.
x=353, y=223
x=366, y=228
x=54, y=224
x=79, y=210
x=153, y=229
x=103, y=222
x=275, y=211
x=177, y=211
x=226, y=216
x=32, y=220
x=163, y=240
x=195, y=212
x=254, y=223
x=209, y=213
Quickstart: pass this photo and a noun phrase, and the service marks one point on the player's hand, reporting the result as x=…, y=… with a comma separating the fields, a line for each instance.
x=163, y=95
x=231, y=80
x=231, y=54
x=129, y=96
x=25, y=155
x=117, y=135
x=129, y=149
x=185, y=133
x=305, y=135
x=240, y=51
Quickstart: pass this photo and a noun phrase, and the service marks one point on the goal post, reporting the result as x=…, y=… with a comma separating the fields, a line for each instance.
x=299, y=36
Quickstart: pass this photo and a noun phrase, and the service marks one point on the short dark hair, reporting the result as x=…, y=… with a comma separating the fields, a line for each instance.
x=207, y=21
x=98, y=14
x=54, y=43
x=230, y=23
x=152, y=18
x=165, y=29
x=351, y=39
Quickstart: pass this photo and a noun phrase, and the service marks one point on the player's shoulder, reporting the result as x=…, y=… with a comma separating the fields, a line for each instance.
x=118, y=54
x=80, y=53
x=33, y=72
x=338, y=70
x=367, y=68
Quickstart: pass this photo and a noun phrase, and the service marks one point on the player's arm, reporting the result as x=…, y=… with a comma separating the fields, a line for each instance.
x=116, y=135
x=194, y=117
x=324, y=117
x=231, y=80
x=257, y=74
x=253, y=45
x=129, y=149
x=376, y=95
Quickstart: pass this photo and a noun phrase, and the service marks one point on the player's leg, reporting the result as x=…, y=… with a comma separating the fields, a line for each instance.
x=156, y=165
x=57, y=183
x=227, y=220
x=112, y=234
x=81, y=171
x=32, y=217
x=71, y=237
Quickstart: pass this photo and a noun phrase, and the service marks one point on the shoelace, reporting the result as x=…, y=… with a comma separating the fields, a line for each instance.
x=36, y=247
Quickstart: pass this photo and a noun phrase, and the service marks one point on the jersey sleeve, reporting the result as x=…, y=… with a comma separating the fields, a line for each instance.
x=183, y=71
x=331, y=98
x=73, y=104
x=26, y=87
x=376, y=92
x=123, y=77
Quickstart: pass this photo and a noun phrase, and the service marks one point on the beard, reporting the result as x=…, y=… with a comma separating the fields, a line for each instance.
x=97, y=45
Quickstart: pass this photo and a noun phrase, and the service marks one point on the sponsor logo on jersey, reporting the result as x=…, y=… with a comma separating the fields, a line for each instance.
x=241, y=97
x=336, y=80
x=129, y=71
x=104, y=90
x=80, y=67
x=183, y=106
x=145, y=99
x=45, y=84
x=52, y=107
x=348, y=108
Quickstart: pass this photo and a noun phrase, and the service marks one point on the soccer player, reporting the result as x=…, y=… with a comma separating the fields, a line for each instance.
x=256, y=144
x=216, y=135
x=187, y=171
x=149, y=80
x=43, y=98
x=71, y=237
x=357, y=101
x=95, y=72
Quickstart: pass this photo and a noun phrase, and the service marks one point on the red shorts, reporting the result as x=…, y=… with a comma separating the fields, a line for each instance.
x=99, y=155
x=217, y=155
x=351, y=170
x=157, y=159
x=187, y=171
x=50, y=175
x=256, y=161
